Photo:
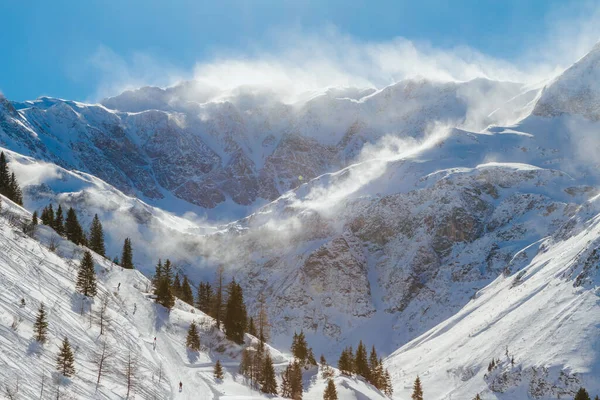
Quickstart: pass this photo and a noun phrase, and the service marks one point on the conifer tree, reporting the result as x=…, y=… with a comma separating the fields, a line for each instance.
x=65, y=360
x=269, y=384
x=15, y=192
x=58, y=224
x=127, y=255
x=477, y=397
x=73, y=230
x=4, y=175
x=34, y=218
x=582, y=394
x=186, y=291
x=158, y=273
x=205, y=298
x=291, y=381
x=417, y=393
x=217, y=304
x=301, y=351
x=40, y=327
x=48, y=215
x=330, y=391
x=218, y=373
x=86, y=276
x=361, y=364
x=235, y=314
x=163, y=290
x=176, y=288
x=193, y=340
x=251, y=327
x=374, y=369
x=346, y=361
x=96, y=241
x=387, y=381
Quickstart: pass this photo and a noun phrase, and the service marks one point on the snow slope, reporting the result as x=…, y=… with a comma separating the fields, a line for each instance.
x=546, y=317
x=29, y=270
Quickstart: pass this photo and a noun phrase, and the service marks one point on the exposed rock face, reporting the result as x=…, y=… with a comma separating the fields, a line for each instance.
x=155, y=143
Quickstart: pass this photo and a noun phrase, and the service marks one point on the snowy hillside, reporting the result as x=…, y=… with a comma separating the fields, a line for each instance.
x=31, y=272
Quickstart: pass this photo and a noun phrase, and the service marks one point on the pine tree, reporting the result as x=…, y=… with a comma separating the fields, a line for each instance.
x=477, y=397
x=235, y=314
x=58, y=224
x=217, y=304
x=387, y=382
x=582, y=394
x=40, y=327
x=127, y=255
x=97, y=236
x=218, y=373
x=163, y=290
x=330, y=391
x=291, y=381
x=193, y=340
x=73, y=230
x=269, y=384
x=186, y=291
x=158, y=273
x=375, y=371
x=205, y=298
x=417, y=393
x=301, y=351
x=34, y=218
x=4, y=175
x=346, y=361
x=15, y=192
x=251, y=327
x=65, y=360
x=86, y=276
x=48, y=215
x=176, y=288
x=360, y=361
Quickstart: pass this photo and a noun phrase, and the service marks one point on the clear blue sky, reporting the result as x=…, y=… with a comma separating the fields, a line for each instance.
x=45, y=44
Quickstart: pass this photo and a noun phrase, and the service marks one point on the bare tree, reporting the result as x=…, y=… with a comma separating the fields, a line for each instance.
x=43, y=383
x=101, y=359
x=103, y=318
x=131, y=370
x=264, y=331
x=53, y=242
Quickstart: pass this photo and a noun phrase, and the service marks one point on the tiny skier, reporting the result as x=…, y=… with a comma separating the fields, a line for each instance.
x=154, y=345
x=119, y=286
x=180, y=386
x=134, y=307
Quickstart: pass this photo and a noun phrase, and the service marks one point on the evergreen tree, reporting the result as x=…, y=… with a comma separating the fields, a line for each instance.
x=217, y=303
x=40, y=327
x=193, y=340
x=97, y=236
x=301, y=351
x=158, y=274
x=65, y=360
x=73, y=230
x=269, y=384
x=163, y=283
x=48, y=215
x=417, y=393
x=360, y=361
x=176, y=288
x=58, y=224
x=346, y=361
x=374, y=369
x=251, y=327
x=205, y=298
x=186, y=291
x=387, y=381
x=582, y=394
x=15, y=193
x=127, y=255
x=235, y=314
x=330, y=391
x=86, y=276
x=34, y=218
x=218, y=373
x=4, y=175
x=291, y=381
x=477, y=397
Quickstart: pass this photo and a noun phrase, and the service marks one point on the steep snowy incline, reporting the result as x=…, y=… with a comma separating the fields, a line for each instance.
x=31, y=273
x=541, y=326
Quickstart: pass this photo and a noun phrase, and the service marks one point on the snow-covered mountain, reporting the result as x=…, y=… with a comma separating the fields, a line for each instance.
x=43, y=270
x=448, y=219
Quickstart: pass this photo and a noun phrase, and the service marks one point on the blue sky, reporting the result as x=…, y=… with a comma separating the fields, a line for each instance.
x=87, y=49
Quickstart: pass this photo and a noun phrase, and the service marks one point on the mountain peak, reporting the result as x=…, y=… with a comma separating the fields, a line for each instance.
x=576, y=91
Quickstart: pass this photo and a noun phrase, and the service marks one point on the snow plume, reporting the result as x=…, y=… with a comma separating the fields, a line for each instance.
x=298, y=62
